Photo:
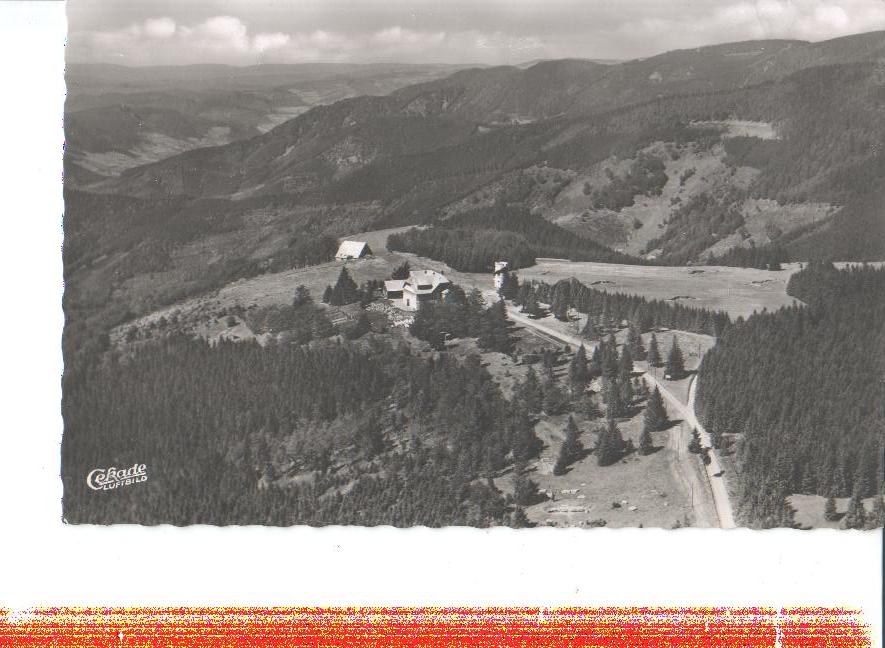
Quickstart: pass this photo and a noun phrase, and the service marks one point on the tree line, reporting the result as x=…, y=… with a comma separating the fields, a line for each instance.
x=797, y=395
x=608, y=311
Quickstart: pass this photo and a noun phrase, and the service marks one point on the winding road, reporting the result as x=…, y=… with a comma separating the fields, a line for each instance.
x=715, y=477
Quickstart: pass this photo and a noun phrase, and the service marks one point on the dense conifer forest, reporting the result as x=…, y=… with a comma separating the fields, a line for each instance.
x=797, y=396
x=346, y=433
x=472, y=241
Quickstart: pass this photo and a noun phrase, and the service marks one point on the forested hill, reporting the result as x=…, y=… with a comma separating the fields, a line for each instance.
x=798, y=396
x=333, y=434
x=472, y=241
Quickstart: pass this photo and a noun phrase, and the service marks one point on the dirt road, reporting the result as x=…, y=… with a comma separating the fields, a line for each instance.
x=715, y=483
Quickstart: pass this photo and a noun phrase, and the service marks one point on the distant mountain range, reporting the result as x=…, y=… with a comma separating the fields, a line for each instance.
x=117, y=117
x=678, y=158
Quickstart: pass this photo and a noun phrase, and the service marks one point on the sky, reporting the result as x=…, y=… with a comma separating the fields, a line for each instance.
x=247, y=32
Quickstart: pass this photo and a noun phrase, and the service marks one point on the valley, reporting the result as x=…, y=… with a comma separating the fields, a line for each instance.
x=688, y=314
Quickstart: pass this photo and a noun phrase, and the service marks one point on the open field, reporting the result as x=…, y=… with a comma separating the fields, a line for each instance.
x=810, y=510
x=738, y=291
x=638, y=490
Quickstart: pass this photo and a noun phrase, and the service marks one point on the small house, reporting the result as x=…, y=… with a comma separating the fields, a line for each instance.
x=353, y=250
x=422, y=285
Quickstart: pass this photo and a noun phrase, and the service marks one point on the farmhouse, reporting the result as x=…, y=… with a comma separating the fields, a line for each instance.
x=353, y=250
x=422, y=285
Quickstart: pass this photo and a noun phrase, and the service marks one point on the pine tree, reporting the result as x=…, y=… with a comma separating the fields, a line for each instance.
x=675, y=362
x=694, y=445
x=610, y=358
x=530, y=392
x=595, y=366
x=519, y=520
x=634, y=343
x=876, y=518
x=402, y=271
x=530, y=306
x=302, y=296
x=494, y=333
x=625, y=364
x=855, y=517
x=646, y=444
x=610, y=447
x=654, y=354
x=555, y=400
x=590, y=331
x=560, y=310
x=578, y=371
x=345, y=290
x=571, y=449
x=525, y=490
x=655, y=411
x=327, y=295
x=424, y=327
x=830, y=510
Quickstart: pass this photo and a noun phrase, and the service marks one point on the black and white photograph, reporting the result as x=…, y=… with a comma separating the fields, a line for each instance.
x=476, y=263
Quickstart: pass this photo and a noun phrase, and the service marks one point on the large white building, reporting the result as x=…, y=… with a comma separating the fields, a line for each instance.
x=422, y=285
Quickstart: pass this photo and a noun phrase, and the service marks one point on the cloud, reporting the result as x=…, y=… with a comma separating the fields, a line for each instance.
x=159, y=27
x=477, y=31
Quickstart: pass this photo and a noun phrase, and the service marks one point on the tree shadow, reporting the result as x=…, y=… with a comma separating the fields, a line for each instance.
x=670, y=424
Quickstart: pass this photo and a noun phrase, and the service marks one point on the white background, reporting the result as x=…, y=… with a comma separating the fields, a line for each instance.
x=46, y=562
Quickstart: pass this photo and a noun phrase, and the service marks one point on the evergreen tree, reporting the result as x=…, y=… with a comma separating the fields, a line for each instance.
x=610, y=358
x=646, y=444
x=855, y=517
x=402, y=271
x=625, y=364
x=634, y=343
x=595, y=367
x=345, y=290
x=519, y=520
x=559, y=303
x=327, y=295
x=302, y=296
x=694, y=445
x=590, y=331
x=876, y=518
x=655, y=411
x=494, y=329
x=611, y=446
x=530, y=305
x=654, y=354
x=424, y=327
x=555, y=399
x=579, y=371
x=830, y=510
x=530, y=392
x=370, y=437
x=675, y=362
x=571, y=449
x=525, y=490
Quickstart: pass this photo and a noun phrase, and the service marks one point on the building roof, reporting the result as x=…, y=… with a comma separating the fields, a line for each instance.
x=394, y=285
x=429, y=278
x=354, y=249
